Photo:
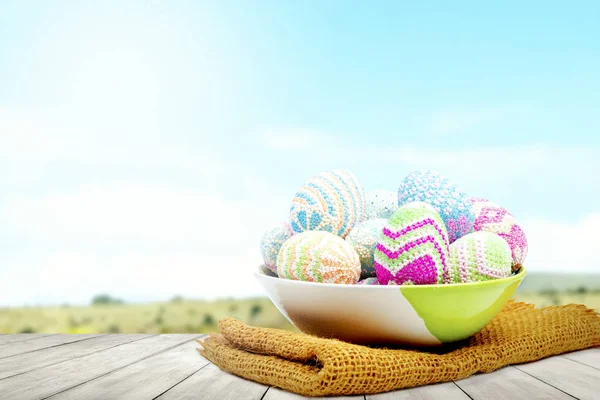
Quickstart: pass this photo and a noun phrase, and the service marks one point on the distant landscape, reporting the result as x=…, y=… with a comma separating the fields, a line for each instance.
x=537, y=281
x=110, y=315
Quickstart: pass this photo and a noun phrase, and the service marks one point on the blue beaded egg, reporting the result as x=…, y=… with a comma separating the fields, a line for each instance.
x=451, y=203
x=271, y=243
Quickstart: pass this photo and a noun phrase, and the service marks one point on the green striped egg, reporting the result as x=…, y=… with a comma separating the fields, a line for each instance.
x=318, y=256
x=480, y=256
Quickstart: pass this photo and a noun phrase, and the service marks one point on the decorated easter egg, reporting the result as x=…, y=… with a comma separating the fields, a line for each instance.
x=331, y=201
x=451, y=203
x=381, y=204
x=413, y=247
x=318, y=256
x=272, y=241
x=490, y=217
x=363, y=238
x=267, y=271
x=480, y=256
x=368, y=281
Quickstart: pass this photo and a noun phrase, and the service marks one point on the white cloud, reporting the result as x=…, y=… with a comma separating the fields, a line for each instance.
x=476, y=162
x=455, y=121
x=430, y=126
x=298, y=140
x=75, y=276
x=46, y=135
x=139, y=242
x=486, y=156
x=122, y=211
x=35, y=135
x=562, y=246
x=33, y=139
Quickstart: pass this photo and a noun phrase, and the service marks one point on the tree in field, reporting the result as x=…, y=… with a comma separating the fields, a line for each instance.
x=103, y=299
x=255, y=311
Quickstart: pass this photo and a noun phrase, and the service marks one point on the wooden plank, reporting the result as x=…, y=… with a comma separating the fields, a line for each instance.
x=508, y=384
x=211, y=383
x=446, y=391
x=19, y=337
x=590, y=357
x=278, y=394
x=143, y=380
x=22, y=363
x=42, y=342
x=577, y=379
x=47, y=381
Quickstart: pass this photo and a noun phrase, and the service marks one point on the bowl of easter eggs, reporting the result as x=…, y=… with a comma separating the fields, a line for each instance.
x=422, y=266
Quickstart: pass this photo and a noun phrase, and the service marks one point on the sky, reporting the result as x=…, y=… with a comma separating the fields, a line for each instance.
x=146, y=146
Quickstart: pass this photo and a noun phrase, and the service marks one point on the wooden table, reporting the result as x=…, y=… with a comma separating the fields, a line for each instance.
x=168, y=367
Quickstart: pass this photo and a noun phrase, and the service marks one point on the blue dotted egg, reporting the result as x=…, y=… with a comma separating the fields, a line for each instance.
x=451, y=203
x=271, y=243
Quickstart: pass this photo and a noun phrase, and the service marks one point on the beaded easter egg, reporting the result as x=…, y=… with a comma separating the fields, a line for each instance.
x=413, y=247
x=381, y=204
x=332, y=201
x=267, y=271
x=368, y=281
x=363, y=238
x=272, y=241
x=480, y=256
x=318, y=256
x=451, y=203
x=490, y=217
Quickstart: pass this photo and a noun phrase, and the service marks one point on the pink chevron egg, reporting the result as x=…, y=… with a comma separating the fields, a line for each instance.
x=413, y=247
x=490, y=217
x=479, y=256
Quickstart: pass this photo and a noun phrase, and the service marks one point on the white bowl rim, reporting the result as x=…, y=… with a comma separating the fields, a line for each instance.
x=520, y=274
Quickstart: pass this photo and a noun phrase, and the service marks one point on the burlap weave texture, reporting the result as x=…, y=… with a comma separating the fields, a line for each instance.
x=312, y=366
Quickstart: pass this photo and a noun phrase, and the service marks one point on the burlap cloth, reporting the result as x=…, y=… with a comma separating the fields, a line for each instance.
x=313, y=366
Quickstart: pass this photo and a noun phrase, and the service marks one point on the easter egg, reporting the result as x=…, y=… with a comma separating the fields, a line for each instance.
x=363, y=238
x=381, y=204
x=272, y=241
x=413, y=247
x=451, y=203
x=267, y=271
x=368, y=281
x=318, y=256
x=331, y=201
x=480, y=256
x=490, y=217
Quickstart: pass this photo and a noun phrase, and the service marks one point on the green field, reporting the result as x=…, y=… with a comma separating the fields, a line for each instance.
x=176, y=316
x=181, y=315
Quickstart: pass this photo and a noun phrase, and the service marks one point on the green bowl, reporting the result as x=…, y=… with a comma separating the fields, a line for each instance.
x=418, y=315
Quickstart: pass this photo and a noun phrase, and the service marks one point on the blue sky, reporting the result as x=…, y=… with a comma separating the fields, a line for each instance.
x=134, y=138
